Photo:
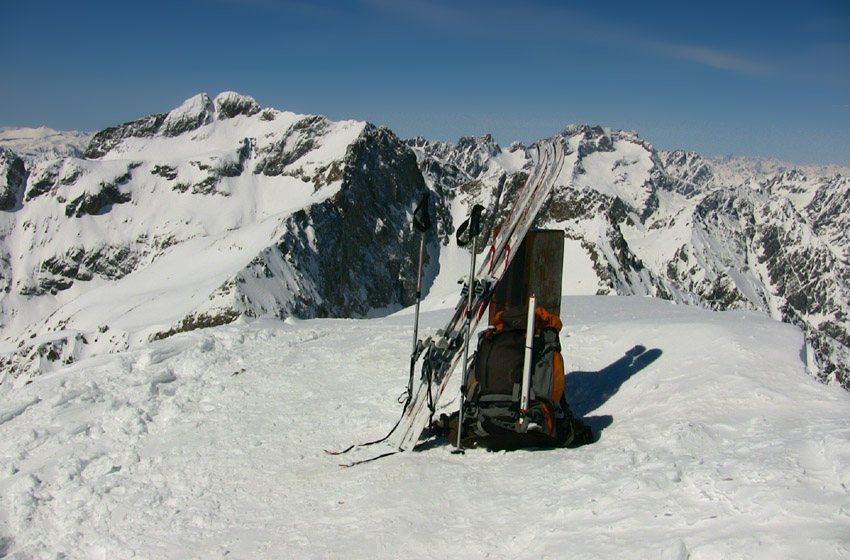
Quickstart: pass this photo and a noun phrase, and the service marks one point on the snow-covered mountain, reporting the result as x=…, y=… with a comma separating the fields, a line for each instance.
x=41, y=144
x=722, y=234
x=195, y=217
x=220, y=209
x=152, y=437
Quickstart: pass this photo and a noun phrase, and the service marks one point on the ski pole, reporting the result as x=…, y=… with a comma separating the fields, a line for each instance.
x=422, y=222
x=418, y=293
x=474, y=225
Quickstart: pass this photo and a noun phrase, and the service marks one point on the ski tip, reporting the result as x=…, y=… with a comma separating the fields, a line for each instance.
x=346, y=450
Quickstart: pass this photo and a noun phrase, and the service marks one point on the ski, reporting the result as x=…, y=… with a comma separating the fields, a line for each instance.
x=443, y=351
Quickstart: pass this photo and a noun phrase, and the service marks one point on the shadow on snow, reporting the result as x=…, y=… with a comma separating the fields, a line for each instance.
x=588, y=390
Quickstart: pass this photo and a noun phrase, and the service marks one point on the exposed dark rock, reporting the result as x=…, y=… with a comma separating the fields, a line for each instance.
x=44, y=180
x=101, y=201
x=13, y=176
x=299, y=140
x=196, y=321
x=165, y=171
x=193, y=114
x=693, y=172
x=110, y=262
x=229, y=105
x=104, y=141
x=595, y=139
x=356, y=250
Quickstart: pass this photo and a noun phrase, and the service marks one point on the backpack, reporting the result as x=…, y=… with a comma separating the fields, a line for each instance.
x=491, y=412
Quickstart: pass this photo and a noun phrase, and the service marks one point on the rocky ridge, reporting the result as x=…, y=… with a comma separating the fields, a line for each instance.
x=222, y=209
x=722, y=234
x=214, y=211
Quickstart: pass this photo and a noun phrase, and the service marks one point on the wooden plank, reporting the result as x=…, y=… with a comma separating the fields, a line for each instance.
x=536, y=269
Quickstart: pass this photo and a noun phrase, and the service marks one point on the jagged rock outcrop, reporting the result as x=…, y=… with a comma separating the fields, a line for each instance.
x=362, y=232
x=12, y=179
x=229, y=105
x=105, y=140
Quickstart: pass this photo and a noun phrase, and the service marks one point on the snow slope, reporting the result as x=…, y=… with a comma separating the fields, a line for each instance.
x=177, y=221
x=715, y=443
x=43, y=144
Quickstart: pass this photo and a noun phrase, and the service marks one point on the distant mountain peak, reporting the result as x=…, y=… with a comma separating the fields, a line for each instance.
x=220, y=208
x=195, y=112
x=43, y=143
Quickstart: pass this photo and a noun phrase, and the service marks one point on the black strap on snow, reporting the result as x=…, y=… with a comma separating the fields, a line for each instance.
x=368, y=443
x=473, y=224
x=421, y=218
x=355, y=463
x=426, y=370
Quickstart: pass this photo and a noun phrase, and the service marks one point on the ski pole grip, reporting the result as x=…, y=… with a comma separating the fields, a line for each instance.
x=473, y=223
x=421, y=218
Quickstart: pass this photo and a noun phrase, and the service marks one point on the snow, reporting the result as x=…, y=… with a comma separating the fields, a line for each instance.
x=512, y=159
x=578, y=276
x=619, y=173
x=187, y=244
x=715, y=443
x=43, y=144
x=166, y=290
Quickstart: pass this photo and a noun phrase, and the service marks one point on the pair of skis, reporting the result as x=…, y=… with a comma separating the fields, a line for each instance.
x=441, y=353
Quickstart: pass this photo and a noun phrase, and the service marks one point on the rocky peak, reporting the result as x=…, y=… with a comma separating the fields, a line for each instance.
x=230, y=104
x=686, y=173
x=191, y=115
x=592, y=139
x=289, y=214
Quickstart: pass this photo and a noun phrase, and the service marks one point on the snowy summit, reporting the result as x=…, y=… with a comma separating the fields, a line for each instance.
x=198, y=303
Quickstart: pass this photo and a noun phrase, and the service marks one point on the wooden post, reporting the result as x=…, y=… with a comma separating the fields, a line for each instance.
x=536, y=269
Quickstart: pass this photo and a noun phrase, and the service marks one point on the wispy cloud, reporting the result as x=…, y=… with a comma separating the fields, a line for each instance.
x=714, y=58
x=555, y=22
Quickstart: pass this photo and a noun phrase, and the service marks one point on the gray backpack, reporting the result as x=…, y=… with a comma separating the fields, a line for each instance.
x=491, y=416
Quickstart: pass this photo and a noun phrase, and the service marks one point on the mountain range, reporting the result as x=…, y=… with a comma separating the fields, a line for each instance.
x=222, y=210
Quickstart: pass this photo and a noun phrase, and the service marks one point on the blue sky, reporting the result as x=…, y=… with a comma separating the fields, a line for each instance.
x=763, y=78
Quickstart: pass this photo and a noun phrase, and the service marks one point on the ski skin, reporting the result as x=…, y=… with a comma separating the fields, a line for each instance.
x=414, y=416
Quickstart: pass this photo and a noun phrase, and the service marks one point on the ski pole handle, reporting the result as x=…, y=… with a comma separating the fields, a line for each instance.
x=473, y=223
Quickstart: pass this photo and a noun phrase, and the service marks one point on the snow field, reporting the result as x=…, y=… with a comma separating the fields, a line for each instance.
x=715, y=443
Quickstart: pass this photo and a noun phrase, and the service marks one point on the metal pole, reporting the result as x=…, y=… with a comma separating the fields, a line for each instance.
x=415, y=352
x=418, y=292
x=471, y=283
